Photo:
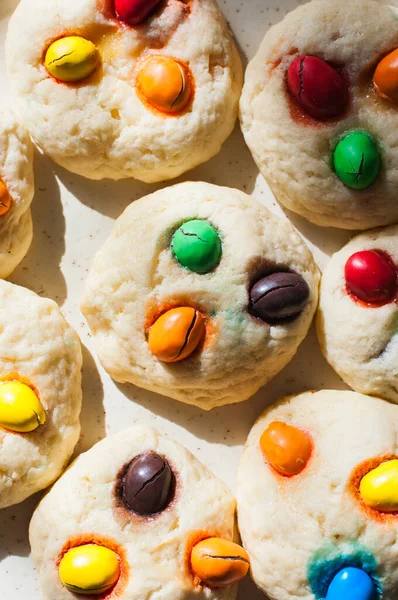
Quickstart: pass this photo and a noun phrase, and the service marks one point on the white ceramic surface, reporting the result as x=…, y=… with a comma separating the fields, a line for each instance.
x=72, y=218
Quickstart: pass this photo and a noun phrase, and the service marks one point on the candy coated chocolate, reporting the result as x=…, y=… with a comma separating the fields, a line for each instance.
x=317, y=87
x=20, y=408
x=134, y=12
x=165, y=84
x=357, y=160
x=379, y=488
x=371, y=277
x=197, y=246
x=286, y=448
x=218, y=563
x=385, y=77
x=89, y=569
x=148, y=484
x=176, y=334
x=5, y=199
x=71, y=59
x=278, y=296
x=351, y=584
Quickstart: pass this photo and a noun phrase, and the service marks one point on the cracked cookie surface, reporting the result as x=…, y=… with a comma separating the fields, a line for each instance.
x=39, y=347
x=16, y=181
x=359, y=338
x=293, y=142
x=100, y=127
x=300, y=530
x=136, y=280
x=155, y=549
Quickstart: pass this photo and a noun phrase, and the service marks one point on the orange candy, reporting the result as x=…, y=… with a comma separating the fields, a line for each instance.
x=165, y=84
x=218, y=563
x=5, y=199
x=287, y=449
x=176, y=334
x=386, y=77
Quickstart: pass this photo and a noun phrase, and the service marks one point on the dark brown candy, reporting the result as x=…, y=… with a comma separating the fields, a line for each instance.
x=148, y=484
x=279, y=296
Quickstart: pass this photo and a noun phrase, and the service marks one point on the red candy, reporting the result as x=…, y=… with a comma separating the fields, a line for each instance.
x=317, y=87
x=134, y=12
x=371, y=277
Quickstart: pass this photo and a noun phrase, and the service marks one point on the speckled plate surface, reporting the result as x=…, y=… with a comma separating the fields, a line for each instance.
x=72, y=218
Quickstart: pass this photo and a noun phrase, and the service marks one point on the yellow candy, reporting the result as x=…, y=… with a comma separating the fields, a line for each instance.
x=379, y=488
x=89, y=569
x=20, y=409
x=71, y=59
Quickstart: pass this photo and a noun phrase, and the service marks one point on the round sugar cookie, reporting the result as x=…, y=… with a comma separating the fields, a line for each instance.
x=311, y=500
x=151, y=503
x=357, y=320
x=40, y=393
x=200, y=294
x=16, y=192
x=319, y=129
x=104, y=98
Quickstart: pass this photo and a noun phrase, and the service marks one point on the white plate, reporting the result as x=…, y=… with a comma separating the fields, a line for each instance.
x=72, y=218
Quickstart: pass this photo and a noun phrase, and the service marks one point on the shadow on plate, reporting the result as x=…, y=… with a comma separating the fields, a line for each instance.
x=230, y=425
x=15, y=526
x=7, y=7
x=308, y=370
x=92, y=417
x=328, y=239
x=243, y=56
x=232, y=167
x=40, y=270
x=249, y=591
x=220, y=425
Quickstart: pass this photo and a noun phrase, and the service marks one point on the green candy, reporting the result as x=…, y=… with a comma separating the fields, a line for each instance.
x=357, y=160
x=197, y=246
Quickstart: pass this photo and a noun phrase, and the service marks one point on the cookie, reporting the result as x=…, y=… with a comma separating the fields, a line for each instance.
x=40, y=393
x=16, y=192
x=318, y=111
x=108, y=90
x=317, y=501
x=146, y=518
x=200, y=294
x=357, y=321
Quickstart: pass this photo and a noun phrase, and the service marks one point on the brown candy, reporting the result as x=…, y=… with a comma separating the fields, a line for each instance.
x=148, y=484
x=279, y=296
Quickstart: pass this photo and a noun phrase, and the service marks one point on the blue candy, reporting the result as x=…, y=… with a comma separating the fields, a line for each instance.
x=351, y=584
